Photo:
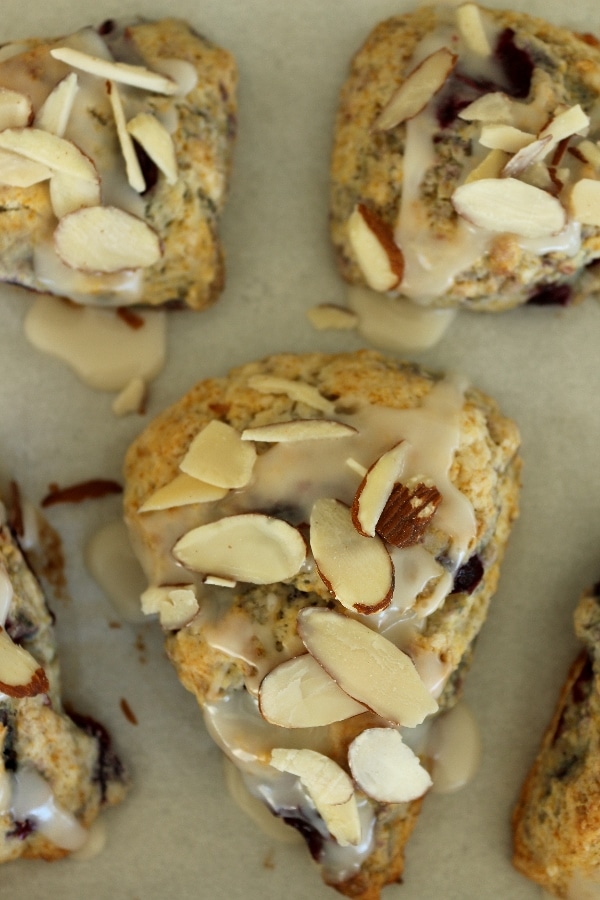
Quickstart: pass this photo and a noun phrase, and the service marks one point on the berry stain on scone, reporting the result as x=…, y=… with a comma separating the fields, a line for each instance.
x=556, y=820
x=322, y=536
x=115, y=149
x=466, y=166
x=57, y=771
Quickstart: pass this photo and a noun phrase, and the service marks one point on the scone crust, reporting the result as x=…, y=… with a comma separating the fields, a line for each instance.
x=367, y=165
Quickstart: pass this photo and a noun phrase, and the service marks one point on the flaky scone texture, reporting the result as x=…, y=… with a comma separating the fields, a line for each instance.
x=184, y=212
x=547, y=69
x=485, y=466
x=556, y=821
x=40, y=744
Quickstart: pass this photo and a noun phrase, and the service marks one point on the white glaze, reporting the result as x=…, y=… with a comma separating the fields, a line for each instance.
x=455, y=745
x=111, y=562
x=32, y=798
x=6, y=594
x=395, y=324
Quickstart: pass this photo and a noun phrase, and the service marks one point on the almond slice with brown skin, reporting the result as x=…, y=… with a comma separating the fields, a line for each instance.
x=154, y=138
x=329, y=787
x=298, y=391
x=135, y=176
x=408, y=513
x=385, y=768
x=366, y=666
x=105, y=239
x=564, y=125
x=20, y=674
x=509, y=205
x=249, y=547
x=49, y=150
x=53, y=115
x=183, y=490
x=135, y=76
x=298, y=430
x=219, y=456
x=358, y=570
x=18, y=171
x=300, y=694
x=16, y=110
x=378, y=256
x=417, y=89
x=376, y=487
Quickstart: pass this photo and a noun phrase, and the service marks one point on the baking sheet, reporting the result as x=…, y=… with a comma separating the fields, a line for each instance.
x=178, y=834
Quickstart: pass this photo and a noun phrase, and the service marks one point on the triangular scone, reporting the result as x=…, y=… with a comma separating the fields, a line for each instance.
x=557, y=819
x=371, y=508
x=57, y=771
x=115, y=151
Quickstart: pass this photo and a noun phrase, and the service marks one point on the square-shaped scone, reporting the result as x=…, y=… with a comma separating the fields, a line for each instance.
x=465, y=167
x=57, y=770
x=557, y=818
x=115, y=152
x=322, y=535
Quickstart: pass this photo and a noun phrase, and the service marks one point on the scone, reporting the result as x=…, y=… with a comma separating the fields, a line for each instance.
x=115, y=150
x=273, y=511
x=557, y=819
x=57, y=771
x=465, y=168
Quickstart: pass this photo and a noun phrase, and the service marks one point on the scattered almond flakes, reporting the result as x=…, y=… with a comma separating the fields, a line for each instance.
x=127, y=711
x=407, y=514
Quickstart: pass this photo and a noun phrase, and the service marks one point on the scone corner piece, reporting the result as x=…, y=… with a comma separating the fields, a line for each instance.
x=115, y=152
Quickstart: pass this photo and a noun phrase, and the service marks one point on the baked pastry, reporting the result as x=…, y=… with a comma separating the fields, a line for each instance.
x=271, y=510
x=57, y=771
x=556, y=821
x=115, y=150
x=465, y=168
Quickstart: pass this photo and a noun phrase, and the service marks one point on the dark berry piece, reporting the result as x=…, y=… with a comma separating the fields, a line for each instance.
x=468, y=576
x=551, y=295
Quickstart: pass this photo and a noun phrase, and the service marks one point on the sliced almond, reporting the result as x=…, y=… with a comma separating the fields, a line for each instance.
x=298, y=430
x=176, y=605
x=376, y=487
x=105, y=239
x=53, y=115
x=493, y=107
x=18, y=171
x=154, y=138
x=328, y=786
x=49, y=150
x=385, y=768
x=135, y=176
x=567, y=123
x=298, y=391
x=470, y=25
x=357, y=570
x=509, y=205
x=219, y=582
x=417, y=89
x=356, y=466
x=327, y=316
x=491, y=166
x=300, y=694
x=135, y=76
x=366, y=666
x=504, y=137
x=250, y=547
x=68, y=194
x=20, y=674
x=183, y=490
x=377, y=254
x=589, y=152
x=219, y=456
x=16, y=110
x=539, y=176
x=408, y=513
x=525, y=157
x=584, y=201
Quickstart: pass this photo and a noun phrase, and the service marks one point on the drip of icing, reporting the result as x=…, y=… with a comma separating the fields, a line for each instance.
x=255, y=808
x=396, y=324
x=455, y=747
x=95, y=843
x=111, y=562
x=32, y=798
x=6, y=595
x=103, y=350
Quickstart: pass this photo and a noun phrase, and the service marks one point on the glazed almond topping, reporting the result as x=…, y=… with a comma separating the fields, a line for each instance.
x=53, y=115
x=299, y=391
x=506, y=204
x=135, y=76
x=298, y=430
x=417, y=89
x=219, y=456
x=132, y=165
x=49, y=150
x=183, y=490
x=156, y=141
x=377, y=254
x=176, y=605
x=20, y=674
x=16, y=110
x=470, y=25
x=376, y=487
x=105, y=239
x=356, y=569
x=385, y=768
x=366, y=666
x=18, y=171
x=408, y=513
x=585, y=201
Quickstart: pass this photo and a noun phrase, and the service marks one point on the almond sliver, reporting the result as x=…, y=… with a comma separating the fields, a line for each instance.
x=509, y=205
x=417, y=89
